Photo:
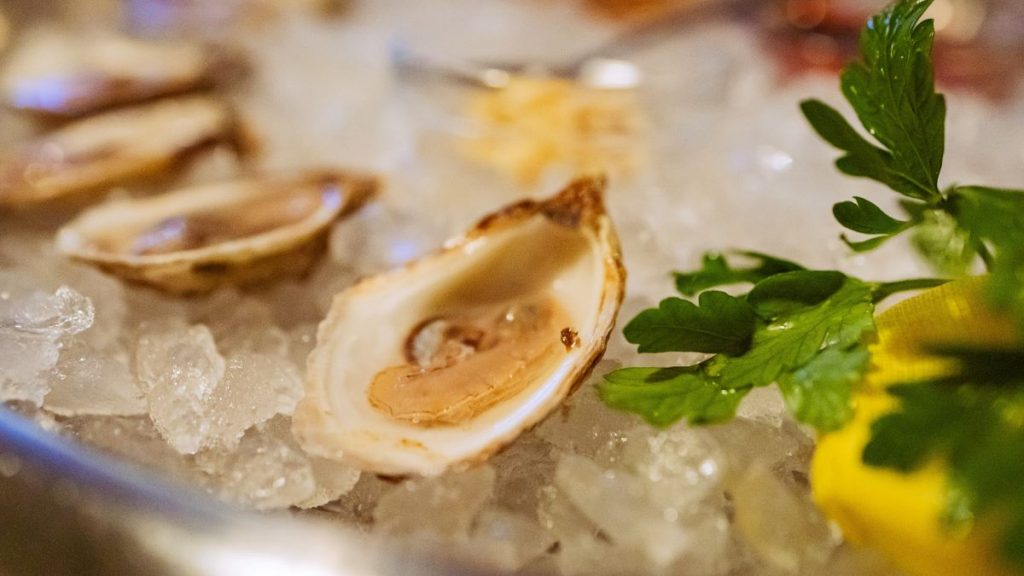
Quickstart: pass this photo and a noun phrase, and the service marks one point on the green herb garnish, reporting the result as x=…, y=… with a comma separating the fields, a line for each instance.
x=807, y=331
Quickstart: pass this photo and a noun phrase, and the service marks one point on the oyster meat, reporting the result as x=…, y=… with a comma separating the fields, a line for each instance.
x=61, y=74
x=196, y=240
x=112, y=148
x=446, y=360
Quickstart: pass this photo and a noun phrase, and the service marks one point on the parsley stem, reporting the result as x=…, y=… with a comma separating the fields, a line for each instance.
x=886, y=289
x=986, y=255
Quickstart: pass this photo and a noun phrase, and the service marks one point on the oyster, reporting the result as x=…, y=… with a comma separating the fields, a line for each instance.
x=112, y=148
x=443, y=362
x=195, y=240
x=67, y=75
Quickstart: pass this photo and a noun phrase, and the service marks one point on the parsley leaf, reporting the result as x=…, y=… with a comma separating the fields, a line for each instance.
x=995, y=218
x=716, y=271
x=663, y=396
x=922, y=428
x=862, y=159
x=893, y=93
x=818, y=393
x=792, y=340
x=977, y=431
x=790, y=291
x=801, y=327
x=721, y=323
x=861, y=215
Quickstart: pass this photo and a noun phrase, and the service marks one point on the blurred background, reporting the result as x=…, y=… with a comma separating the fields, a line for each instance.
x=462, y=106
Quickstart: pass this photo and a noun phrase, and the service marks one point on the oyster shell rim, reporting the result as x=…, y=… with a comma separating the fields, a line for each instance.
x=355, y=189
x=213, y=63
x=95, y=177
x=579, y=205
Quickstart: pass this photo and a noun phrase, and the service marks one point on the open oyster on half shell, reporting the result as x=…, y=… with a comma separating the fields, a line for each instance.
x=58, y=73
x=443, y=362
x=112, y=148
x=195, y=240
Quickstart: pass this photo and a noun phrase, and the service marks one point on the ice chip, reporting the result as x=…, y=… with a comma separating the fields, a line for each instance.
x=440, y=508
x=137, y=440
x=33, y=325
x=507, y=540
x=179, y=370
x=94, y=381
x=781, y=526
x=254, y=389
x=264, y=471
x=241, y=323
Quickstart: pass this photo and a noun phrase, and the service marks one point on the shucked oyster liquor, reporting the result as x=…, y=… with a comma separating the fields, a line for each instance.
x=443, y=362
x=195, y=240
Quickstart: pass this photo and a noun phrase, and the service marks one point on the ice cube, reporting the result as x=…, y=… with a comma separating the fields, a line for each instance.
x=785, y=449
x=440, y=508
x=137, y=440
x=682, y=466
x=107, y=297
x=782, y=526
x=331, y=479
x=94, y=381
x=583, y=424
x=263, y=471
x=356, y=507
x=583, y=549
x=522, y=470
x=25, y=362
x=622, y=506
x=33, y=324
x=239, y=322
x=198, y=400
x=763, y=405
x=507, y=540
x=255, y=388
x=180, y=369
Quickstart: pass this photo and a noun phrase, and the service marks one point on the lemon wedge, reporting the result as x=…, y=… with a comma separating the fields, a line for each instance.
x=900, y=514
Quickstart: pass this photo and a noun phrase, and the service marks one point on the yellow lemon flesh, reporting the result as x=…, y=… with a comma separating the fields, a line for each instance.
x=900, y=514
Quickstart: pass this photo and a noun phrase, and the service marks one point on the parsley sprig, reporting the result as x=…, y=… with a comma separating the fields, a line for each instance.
x=807, y=331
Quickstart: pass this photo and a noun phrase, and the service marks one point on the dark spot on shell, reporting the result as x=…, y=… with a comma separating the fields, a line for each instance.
x=570, y=338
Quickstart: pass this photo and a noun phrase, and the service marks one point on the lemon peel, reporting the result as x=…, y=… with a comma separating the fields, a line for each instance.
x=901, y=514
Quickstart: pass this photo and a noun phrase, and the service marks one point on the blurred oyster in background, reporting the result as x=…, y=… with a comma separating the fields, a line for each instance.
x=115, y=147
x=198, y=239
x=61, y=73
x=5, y=31
x=169, y=17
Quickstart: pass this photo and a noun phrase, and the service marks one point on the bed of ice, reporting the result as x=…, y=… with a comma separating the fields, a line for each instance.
x=201, y=389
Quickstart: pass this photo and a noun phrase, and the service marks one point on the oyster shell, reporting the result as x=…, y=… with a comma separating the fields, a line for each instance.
x=112, y=148
x=443, y=362
x=67, y=75
x=196, y=240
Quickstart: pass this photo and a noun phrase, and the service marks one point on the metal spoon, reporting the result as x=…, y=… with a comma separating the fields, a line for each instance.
x=594, y=68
